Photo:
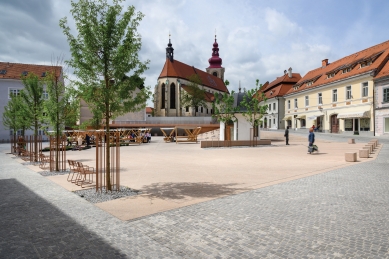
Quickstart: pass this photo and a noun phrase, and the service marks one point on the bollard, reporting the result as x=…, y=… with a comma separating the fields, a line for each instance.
x=364, y=153
x=350, y=156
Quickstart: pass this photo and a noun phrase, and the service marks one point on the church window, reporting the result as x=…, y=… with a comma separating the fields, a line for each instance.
x=172, y=96
x=163, y=96
x=214, y=73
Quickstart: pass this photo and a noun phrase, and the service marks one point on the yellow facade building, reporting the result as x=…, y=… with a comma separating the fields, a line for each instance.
x=338, y=97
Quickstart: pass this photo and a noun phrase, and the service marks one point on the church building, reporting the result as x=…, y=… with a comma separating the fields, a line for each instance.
x=174, y=79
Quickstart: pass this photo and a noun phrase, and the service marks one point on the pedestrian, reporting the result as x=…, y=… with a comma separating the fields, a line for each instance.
x=87, y=139
x=286, y=135
x=313, y=127
x=311, y=140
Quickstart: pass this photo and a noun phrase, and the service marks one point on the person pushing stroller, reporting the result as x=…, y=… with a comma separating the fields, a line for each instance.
x=311, y=140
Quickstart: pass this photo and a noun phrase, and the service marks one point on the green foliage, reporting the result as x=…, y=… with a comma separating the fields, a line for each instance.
x=13, y=117
x=194, y=96
x=104, y=51
x=223, y=107
x=251, y=103
x=227, y=83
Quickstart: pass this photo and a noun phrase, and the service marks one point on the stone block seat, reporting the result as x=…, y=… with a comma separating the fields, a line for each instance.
x=351, y=141
x=350, y=156
x=364, y=153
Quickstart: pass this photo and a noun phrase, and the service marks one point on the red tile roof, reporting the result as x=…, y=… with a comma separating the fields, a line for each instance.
x=184, y=71
x=384, y=72
x=281, y=85
x=149, y=110
x=15, y=70
x=209, y=97
x=377, y=54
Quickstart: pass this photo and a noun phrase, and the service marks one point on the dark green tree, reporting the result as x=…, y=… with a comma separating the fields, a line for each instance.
x=32, y=96
x=195, y=95
x=104, y=51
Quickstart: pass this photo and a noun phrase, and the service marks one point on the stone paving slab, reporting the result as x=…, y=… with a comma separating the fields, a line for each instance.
x=342, y=213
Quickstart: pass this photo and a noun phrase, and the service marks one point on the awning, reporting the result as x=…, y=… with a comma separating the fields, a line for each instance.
x=301, y=117
x=313, y=117
x=363, y=114
x=286, y=118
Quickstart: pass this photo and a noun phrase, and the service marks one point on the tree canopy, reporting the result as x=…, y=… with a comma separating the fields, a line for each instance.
x=194, y=96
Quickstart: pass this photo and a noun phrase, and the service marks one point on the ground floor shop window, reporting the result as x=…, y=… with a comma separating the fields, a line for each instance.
x=365, y=124
x=348, y=125
x=303, y=124
x=386, y=122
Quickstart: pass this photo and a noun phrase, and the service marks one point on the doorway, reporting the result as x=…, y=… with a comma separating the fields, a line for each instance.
x=356, y=126
x=229, y=131
x=334, y=123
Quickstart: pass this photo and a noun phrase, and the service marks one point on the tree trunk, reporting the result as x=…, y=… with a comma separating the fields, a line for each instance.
x=36, y=141
x=107, y=151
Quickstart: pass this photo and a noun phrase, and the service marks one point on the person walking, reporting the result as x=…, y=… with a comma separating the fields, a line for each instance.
x=286, y=135
x=311, y=140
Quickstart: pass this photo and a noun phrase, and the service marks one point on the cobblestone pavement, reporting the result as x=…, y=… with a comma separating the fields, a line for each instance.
x=339, y=214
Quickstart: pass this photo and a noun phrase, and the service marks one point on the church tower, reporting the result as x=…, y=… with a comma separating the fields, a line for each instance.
x=169, y=51
x=215, y=62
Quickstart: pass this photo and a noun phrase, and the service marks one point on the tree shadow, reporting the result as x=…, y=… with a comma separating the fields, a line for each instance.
x=31, y=227
x=195, y=190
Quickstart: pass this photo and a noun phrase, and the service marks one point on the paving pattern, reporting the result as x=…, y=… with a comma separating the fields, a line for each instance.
x=343, y=213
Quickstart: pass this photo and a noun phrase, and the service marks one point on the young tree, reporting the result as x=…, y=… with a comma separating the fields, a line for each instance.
x=104, y=51
x=61, y=107
x=13, y=118
x=223, y=107
x=251, y=103
x=32, y=96
x=194, y=96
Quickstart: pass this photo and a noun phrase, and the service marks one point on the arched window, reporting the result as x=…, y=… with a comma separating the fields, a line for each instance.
x=214, y=73
x=163, y=96
x=172, y=96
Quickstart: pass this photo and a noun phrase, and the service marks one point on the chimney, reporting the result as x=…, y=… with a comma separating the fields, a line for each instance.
x=284, y=72
x=324, y=62
x=290, y=72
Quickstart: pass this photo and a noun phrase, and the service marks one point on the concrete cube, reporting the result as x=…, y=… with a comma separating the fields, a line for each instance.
x=363, y=153
x=351, y=141
x=371, y=147
x=367, y=148
x=350, y=156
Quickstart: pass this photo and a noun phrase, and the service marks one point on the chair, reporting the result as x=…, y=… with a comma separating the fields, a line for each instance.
x=84, y=171
x=74, y=171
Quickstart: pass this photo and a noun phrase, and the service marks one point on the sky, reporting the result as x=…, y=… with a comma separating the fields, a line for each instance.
x=258, y=39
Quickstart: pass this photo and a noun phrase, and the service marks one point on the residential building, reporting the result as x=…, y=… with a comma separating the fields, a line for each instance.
x=381, y=100
x=274, y=93
x=337, y=97
x=11, y=83
x=174, y=80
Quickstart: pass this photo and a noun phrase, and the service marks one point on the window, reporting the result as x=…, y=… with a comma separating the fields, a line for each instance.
x=207, y=110
x=269, y=107
x=365, y=64
x=334, y=95
x=348, y=125
x=24, y=73
x=364, y=124
x=386, y=122
x=214, y=73
x=386, y=95
x=306, y=100
x=348, y=92
x=172, y=96
x=202, y=110
x=187, y=108
x=163, y=89
x=13, y=91
x=43, y=74
x=331, y=75
x=365, y=89
x=288, y=104
x=274, y=121
x=45, y=95
x=320, y=98
x=346, y=70
x=3, y=72
x=274, y=106
x=295, y=103
x=309, y=83
x=303, y=124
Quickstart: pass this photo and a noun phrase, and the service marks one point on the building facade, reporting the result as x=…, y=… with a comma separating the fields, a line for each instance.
x=338, y=97
x=381, y=100
x=174, y=80
x=274, y=93
x=11, y=84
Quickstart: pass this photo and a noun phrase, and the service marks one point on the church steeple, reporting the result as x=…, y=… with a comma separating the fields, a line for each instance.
x=215, y=62
x=169, y=50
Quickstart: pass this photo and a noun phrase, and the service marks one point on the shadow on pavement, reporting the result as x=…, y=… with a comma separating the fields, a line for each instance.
x=30, y=227
x=195, y=190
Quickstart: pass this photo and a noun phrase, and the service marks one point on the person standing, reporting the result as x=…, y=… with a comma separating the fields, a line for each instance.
x=311, y=140
x=286, y=135
x=87, y=139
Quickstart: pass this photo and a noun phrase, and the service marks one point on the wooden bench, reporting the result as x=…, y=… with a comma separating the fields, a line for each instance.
x=74, y=171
